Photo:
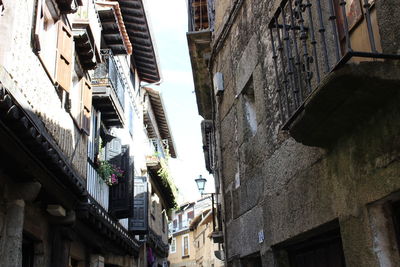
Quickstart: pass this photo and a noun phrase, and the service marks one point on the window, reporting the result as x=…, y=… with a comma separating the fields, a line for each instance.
x=132, y=77
x=180, y=221
x=250, y=107
x=175, y=224
x=53, y=40
x=185, y=246
x=130, y=119
x=190, y=215
x=86, y=90
x=53, y=44
x=64, y=57
x=172, y=246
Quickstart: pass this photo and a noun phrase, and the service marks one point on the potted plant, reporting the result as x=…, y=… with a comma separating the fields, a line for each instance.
x=109, y=173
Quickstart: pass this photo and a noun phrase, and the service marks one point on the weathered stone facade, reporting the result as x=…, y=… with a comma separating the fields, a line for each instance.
x=71, y=116
x=276, y=187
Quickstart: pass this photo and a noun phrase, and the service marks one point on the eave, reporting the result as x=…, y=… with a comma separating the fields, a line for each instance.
x=98, y=220
x=114, y=31
x=200, y=51
x=158, y=108
x=164, y=188
x=144, y=55
x=53, y=169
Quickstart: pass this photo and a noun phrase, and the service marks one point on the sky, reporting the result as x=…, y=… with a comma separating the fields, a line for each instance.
x=169, y=26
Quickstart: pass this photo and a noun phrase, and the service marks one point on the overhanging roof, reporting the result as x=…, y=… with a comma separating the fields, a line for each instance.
x=144, y=55
x=114, y=30
x=161, y=117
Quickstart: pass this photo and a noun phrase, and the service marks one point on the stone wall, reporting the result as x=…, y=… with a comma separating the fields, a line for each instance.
x=270, y=182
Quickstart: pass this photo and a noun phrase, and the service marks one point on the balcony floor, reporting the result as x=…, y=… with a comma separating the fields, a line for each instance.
x=345, y=98
x=105, y=99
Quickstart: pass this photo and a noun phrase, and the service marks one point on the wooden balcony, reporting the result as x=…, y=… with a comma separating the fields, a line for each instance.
x=108, y=91
x=155, y=153
x=333, y=68
x=97, y=188
x=87, y=34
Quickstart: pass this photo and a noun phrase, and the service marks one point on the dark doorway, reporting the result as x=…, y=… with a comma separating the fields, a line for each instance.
x=28, y=252
x=324, y=250
x=253, y=260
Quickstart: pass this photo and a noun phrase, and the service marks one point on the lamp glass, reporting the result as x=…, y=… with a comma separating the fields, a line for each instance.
x=201, y=183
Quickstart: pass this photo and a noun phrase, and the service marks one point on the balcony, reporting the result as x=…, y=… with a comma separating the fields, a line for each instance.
x=87, y=34
x=108, y=88
x=201, y=24
x=97, y=188
x=332, y=65
x=155, y=152
x=156, y=242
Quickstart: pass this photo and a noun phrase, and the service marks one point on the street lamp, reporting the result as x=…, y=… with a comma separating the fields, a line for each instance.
x=201, y=184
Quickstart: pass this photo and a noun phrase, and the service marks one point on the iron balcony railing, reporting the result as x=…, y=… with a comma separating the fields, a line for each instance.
x=157, y=147
x=201, y=15
x=108, y=73
x=311, y=38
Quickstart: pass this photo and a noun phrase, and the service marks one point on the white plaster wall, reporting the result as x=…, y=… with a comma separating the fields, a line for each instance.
x=32, y=81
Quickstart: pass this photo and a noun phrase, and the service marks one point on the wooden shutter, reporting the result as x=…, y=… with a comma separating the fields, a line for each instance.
x=113, y=151
x=138, y=223
x=38, y=25
x=64, y=57
x=86, y=89
x=121, y=194
x=185, y=245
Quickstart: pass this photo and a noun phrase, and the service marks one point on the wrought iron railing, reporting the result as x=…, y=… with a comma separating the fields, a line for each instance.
x=108, y=73
x=311, y=38
x=157, y=147
x=201, y=15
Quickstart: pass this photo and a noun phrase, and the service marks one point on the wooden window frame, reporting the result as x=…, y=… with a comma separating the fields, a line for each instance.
x=183, y=245
x=64, y=57
x=173, y=241
x=86, y=105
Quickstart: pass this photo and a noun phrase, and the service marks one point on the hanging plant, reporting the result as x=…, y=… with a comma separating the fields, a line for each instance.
x=109, y=173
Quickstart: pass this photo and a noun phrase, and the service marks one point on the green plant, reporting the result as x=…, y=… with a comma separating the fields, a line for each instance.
x=109, y=173
x=167, y=179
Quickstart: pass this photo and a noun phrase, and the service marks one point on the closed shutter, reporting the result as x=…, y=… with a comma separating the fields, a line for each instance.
x=121, y=194
x=86, y=105
x=64, y=57
x=113, y=151
x=138, y=223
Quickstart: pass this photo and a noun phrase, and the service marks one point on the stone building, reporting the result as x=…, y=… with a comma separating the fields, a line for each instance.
x=185, y=231
x=75, y=135
x=300, y=102
x=202, y=227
